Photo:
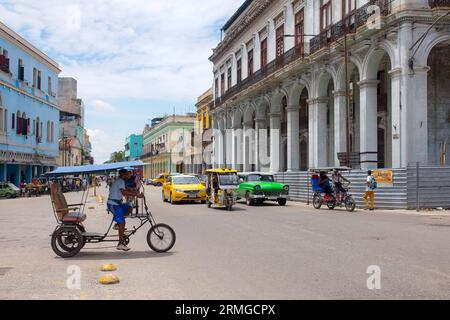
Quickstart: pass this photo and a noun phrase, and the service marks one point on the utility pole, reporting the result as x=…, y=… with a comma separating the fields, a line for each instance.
x=347, y=101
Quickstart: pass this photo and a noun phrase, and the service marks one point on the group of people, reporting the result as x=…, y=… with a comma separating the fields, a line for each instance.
x=337, y=181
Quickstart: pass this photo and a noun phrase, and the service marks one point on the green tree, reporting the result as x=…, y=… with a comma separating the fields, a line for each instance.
x=118, y=156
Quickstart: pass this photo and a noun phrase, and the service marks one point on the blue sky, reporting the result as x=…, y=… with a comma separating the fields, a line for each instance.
x=134, y=60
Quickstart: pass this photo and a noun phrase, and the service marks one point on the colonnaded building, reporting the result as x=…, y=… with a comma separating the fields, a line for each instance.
x=281, y=66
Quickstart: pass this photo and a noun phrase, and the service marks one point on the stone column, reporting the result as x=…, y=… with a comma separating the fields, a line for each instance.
x=248, y=146
x=260, y=142
x=340, y=124
x=396, y=114
x=237, y=147
x=275, y=135
x=293, y=138
x=368, y=123
x=318, y=147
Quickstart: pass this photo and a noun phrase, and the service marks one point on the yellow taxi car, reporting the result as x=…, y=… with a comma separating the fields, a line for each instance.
x=158, y=182
x=183, y=188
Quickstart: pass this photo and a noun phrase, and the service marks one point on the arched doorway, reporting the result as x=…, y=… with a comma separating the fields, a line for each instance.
x=438, y=109
x=304, y=130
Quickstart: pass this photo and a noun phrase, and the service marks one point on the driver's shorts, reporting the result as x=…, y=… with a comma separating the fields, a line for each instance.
x=119, y=212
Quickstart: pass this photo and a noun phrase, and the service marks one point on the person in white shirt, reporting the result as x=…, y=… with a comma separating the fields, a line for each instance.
x=370, y=192
x=118, y=208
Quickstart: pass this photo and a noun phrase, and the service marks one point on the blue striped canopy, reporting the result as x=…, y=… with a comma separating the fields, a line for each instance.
x=94, y=169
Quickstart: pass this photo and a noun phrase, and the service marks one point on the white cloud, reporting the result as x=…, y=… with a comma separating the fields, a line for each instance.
x=155, y=50
x=101, y=106
x=146, y=49
x=104, y=143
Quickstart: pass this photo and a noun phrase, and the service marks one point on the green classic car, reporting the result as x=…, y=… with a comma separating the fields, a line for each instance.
x=8, y=190
x=256, y=188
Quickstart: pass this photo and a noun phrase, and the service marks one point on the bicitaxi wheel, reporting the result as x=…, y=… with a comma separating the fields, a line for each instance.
x=161, y=238
x=67, y=242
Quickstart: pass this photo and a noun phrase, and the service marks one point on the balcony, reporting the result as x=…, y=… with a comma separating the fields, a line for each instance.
x=439, y=3
x=349, y=24
x=288, y=57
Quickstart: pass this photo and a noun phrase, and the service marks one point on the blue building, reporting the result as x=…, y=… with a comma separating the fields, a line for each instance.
x=133, y=147
x=29, y=113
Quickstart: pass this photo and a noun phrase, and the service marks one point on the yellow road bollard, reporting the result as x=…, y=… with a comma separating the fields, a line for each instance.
x=109, y=279
x=108, y=267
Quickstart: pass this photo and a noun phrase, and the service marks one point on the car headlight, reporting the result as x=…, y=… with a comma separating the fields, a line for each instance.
x=179, y=191
x=286, y=188
x=257, y=188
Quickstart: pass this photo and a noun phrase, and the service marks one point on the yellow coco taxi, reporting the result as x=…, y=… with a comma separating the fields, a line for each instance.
x=183, y=188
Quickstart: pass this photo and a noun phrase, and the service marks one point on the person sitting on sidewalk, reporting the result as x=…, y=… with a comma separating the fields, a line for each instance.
x=371, y=185
x=119, y=209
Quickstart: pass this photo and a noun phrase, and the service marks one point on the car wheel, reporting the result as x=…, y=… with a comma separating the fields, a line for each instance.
x=8, y=196
x=249, y=201
x=282, y=202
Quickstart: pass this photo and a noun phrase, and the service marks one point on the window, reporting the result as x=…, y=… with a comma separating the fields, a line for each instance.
x=222, y=84
x=13, y=121
x=48, y=131
x=21, y=71
x=280, y=41
x=49, y=85
x=216, y=86
x=19, y=123
x=1, y=121
x=4, y=61
x=250, y=62
x=34, y=78
x=348, y=7
x=263, y=53
x=326, y=17
x=239, y=71
x=300, y=31
x=229, y=79
x=39, y=75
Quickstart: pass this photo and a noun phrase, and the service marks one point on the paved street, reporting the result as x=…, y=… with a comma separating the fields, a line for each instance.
x=270, y=252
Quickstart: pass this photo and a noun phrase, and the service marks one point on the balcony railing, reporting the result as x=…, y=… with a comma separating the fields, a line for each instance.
x=349, y=24
x=439, y=3
x=273, y=66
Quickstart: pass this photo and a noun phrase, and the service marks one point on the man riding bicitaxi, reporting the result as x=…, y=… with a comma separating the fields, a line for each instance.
x=118, y=208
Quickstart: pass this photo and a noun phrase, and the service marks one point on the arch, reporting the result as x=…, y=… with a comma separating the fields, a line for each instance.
x=354, y=64
x=262, y=106
x=237, y=118
x=296, y=91
x=277, y=99
x=323, y=81
x=249, y=113
x=435, y=39
x=373, y=60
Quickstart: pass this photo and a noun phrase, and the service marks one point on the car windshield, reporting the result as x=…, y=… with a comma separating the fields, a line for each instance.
x=229, y=180
x=185, y=180
x=12, y=186
x=260, y=177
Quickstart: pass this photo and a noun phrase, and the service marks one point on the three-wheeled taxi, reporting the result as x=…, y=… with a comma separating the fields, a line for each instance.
x=221, y=188
x=70, y=235
x=331, y=193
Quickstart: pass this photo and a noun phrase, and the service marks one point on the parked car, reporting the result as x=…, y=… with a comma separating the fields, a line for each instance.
x=257, y=187
x=8, y=190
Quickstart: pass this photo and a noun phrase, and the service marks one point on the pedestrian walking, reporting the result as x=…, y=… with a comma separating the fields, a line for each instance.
x=369, y=196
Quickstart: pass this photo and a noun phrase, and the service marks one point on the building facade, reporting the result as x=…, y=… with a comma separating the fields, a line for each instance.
x=74, y=143
x=301, y=84
x=133, y=147
x=202, y=135
x=29, y=113
x=167, y=145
